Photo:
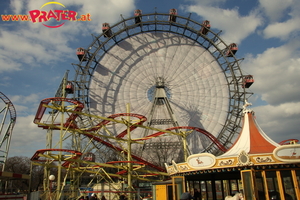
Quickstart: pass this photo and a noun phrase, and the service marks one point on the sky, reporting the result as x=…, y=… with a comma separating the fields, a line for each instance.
x=34, y=58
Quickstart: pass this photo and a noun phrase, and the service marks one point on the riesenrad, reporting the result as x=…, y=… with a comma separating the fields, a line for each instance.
x=8, y=118
x=173, y=70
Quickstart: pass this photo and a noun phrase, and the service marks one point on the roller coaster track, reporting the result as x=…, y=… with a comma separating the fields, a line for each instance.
x=70, y=123
x=78, y=108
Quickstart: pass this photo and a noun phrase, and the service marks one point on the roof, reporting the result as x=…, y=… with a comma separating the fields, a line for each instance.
x=252, y=138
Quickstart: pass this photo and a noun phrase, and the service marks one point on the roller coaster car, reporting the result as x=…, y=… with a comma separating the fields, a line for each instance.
x=248, y=81
x=138, y=17
x=89, y=157
x=289, y=141
x=69, y=88
x=172, y=16
x=106, y=30
x=80, y=52
x=231, y=50
x=205, y=27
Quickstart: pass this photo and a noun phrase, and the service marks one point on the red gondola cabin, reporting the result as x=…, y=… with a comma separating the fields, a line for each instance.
x=138, y=16
x=231, y=50
x=205, y=27
x=80, y=52
x=248, y=81
x=172, y=16
x=106, y=30
x=69, y=88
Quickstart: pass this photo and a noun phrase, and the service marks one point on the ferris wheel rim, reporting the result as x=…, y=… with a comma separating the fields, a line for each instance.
x=7, y=134
x=11, y=107
x=236, y=98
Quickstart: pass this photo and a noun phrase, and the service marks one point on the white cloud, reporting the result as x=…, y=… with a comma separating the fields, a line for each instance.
x=19, y=99
x=275, y=9
x=26, y=137
x=8, y=64
x=282, y=30
x=276, y=73
x=281, y=122
x=214, y=3
x=234, y=26
x=17, y=6
x=284, y=17
x=34, y=48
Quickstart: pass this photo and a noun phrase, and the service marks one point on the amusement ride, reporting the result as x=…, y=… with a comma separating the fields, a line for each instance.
x=8, y=117
x=150, y=89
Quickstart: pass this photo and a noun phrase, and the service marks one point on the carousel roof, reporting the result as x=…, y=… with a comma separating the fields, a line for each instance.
x=253, y=148
x=252, y=138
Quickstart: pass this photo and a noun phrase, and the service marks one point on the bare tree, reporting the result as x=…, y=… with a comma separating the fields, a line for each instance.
x=22, y=165
x=164, y=150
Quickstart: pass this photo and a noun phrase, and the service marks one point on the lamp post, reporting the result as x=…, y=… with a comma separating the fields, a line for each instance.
x=51, y=178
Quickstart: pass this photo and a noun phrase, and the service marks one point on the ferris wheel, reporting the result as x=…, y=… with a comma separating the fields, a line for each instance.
x=8, y=119
x=171, y=69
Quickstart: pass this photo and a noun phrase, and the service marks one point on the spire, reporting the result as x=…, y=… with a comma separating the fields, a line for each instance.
x=251, y=139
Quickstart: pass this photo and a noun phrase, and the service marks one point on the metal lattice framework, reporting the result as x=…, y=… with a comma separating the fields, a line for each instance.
x=75, y=163
x=9, y=116
x=183, y=27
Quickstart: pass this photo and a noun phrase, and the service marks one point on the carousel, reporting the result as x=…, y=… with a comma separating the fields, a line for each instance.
x=254, y=168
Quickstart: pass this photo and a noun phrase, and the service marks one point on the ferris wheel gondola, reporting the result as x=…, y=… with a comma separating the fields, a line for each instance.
x=231, y=50
x=173, y=13
x=138, y=16
x=205, y=27
x=106, y=30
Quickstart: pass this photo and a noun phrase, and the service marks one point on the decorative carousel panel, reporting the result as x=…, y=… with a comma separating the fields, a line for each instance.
x=288, y=153
x=201, y=161
x=263, y=159
x=171, y=170
x=183, y=167
x=229, y=162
